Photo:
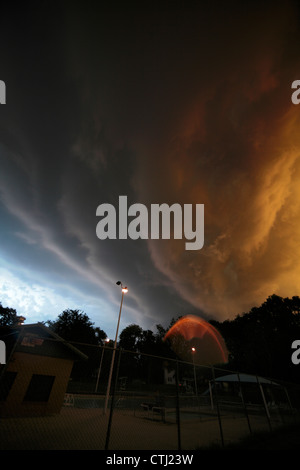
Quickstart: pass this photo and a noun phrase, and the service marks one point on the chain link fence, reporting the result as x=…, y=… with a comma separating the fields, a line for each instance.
x=153, y=402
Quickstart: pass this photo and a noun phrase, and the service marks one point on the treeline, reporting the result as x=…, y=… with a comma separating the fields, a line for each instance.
x=259, y=341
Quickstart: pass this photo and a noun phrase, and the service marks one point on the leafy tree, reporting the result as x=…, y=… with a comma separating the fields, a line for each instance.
x=147, y=342
x=260, y=341
x=161, y=331
x=100, y=335
x=143, y=361
x=129, y=340
x=75, y=326
x=166, y=347
x=131, y=337
x=8, y=316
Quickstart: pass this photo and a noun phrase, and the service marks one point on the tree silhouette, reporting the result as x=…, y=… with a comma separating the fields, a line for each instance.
x=130, y=337
x=75, y=326
x=8, y=316
x=260, y=341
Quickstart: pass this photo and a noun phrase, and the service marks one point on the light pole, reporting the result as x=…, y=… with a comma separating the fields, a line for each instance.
x=102, y=354
x=124, y=290
x=193, y=352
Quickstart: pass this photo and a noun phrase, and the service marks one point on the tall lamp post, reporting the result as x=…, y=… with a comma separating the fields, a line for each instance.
x=124, y=290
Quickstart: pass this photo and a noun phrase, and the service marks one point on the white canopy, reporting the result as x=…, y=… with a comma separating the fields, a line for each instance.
x=244, y=378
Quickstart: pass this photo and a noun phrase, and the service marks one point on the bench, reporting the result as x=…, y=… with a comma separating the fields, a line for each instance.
x=155, y=408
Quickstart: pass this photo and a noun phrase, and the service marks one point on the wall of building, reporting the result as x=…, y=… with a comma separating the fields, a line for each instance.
x=18, y=401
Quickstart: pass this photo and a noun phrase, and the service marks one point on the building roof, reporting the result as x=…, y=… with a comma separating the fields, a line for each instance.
x=38, y=339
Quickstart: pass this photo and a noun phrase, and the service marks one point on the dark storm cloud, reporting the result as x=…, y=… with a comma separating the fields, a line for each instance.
x=62, y=154
x=188, y=105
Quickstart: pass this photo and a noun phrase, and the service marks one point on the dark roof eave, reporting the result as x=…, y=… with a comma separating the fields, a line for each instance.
x=57, y=337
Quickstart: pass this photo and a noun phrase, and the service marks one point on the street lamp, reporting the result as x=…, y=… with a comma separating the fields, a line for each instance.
x=193, y=352
x=124, y=290
x=106, y=341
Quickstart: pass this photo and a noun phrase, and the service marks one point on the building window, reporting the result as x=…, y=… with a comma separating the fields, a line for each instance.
x=6, y=383
x=39, y=388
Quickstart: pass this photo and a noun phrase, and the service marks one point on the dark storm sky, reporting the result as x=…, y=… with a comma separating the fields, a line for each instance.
x=181, y=103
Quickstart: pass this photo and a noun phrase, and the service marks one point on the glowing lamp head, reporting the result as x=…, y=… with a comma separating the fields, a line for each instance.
x=124, y=289
x=193, y=350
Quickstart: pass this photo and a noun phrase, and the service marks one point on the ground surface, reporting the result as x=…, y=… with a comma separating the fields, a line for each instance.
x=86, y=429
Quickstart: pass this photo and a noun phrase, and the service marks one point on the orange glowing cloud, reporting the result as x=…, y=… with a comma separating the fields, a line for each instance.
x=207, y=343
x=235, y=147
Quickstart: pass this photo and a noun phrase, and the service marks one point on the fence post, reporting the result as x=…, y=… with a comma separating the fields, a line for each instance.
x=211, y=395
x=244, y=404
x=265, y=403
x=288, y=399
x=178, y=407
x=112, y=402
x=218, y=409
